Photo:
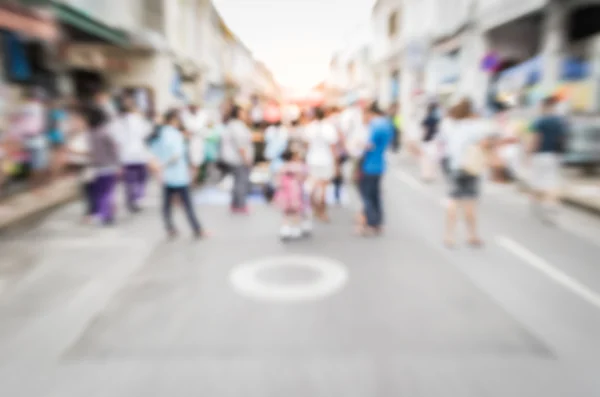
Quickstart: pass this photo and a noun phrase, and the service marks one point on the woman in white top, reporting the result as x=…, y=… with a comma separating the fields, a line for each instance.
x=134, y=130
x=321, y=137
x=461, y=138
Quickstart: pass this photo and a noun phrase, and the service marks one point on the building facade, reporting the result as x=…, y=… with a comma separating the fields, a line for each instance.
x=501, y=50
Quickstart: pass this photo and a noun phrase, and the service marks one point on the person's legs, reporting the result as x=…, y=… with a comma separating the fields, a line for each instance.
x=451, y=210
x=184, y=193
x=471, y=193
x=235, y=192
x=130, y=179
x=368, y=194
x=377, y=202
x=87, y=190
x=107, y=205
x=101, y=188
x=241, y=182
x=337, y=189
x=167, y=207
x=142, y=179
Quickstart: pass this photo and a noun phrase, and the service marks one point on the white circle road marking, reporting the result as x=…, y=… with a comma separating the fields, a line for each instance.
x=246, y=279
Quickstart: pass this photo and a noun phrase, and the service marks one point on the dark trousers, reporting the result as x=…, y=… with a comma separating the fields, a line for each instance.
x=169, y=193
x=241, y=187
x=135, y=176
x=87, y=190
x=370, y=191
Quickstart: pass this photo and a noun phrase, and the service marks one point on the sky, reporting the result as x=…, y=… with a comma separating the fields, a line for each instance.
x=294, y=38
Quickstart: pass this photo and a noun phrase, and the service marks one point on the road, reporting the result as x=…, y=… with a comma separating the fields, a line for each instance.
x=122, y=312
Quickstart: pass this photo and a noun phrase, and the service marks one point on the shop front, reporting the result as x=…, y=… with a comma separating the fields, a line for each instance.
x=26, y=38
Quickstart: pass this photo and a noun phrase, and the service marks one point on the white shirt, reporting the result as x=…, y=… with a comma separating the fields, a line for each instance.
x=458, y=135
x=195, y=122
x=320, y=135
x=133, y=132
x=236, y=136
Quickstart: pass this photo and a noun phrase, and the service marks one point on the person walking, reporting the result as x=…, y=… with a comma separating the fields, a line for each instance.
x=133, y=133
x=321, y=137
x=56, y=136
x=238, y=154
x=372, y=168
x=78, y=157
x=465, y=140
x=548, y=144
x=429, y=153
x=31, y=127
x=104, y=158
x=170, y=149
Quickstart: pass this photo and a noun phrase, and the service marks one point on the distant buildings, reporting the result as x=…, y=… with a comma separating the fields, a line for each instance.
x=489, y=50
x=166, y=51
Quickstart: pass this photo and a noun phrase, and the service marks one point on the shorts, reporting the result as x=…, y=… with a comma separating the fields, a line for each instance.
x=545, y=172
x=321, y=172
x=39, y=158
x=464, y=186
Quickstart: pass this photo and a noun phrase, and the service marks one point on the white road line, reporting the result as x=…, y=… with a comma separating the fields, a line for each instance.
x=541, y=265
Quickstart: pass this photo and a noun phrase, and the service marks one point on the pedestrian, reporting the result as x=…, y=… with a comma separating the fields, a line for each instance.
x=78, y=156
x=290, y=194
x=134, y=130
x=170, y=149
x=238, y=153
x=396, y=118
x=429, y=152
x=549, y=141
x=465, y=141
x=104, y=158
x=31, y=127
x=341, y=155
x=56, y=136
x=195, y=122
x=277, y=142
x=373, y=167
x=321, y=137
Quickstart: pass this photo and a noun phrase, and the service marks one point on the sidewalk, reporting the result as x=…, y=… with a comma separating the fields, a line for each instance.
x=27, y=205
x=583, y=193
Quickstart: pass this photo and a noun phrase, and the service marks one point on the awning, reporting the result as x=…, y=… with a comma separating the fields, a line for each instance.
x=80, y=20
x=21, y=19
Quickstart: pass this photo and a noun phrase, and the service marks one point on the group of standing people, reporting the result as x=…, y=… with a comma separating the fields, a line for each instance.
x=310, y=156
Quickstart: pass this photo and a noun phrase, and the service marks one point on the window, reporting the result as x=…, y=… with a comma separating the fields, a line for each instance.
x=393, y=24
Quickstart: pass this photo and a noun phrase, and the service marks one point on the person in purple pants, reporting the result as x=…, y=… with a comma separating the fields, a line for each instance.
x=134, y=129
x=104, y=158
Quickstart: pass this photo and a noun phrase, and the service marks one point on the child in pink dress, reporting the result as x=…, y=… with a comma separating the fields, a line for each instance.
x=290, y=195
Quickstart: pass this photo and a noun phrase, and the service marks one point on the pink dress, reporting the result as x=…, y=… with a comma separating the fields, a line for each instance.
x=290, y=193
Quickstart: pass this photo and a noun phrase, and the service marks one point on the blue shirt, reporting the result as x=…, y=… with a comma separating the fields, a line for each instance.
x=552, y=131
x=55, y=133
x=381, y=132
x=171, y=149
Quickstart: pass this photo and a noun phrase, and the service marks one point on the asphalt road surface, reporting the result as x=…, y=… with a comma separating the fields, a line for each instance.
x=121, y=312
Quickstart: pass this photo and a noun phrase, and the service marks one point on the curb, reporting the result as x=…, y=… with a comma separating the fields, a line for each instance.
x=571, y=201
x=40, y=208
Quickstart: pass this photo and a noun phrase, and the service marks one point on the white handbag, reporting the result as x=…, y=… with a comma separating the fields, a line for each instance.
x=474, y=160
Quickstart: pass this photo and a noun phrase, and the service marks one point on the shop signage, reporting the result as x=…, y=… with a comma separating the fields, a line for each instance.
x=93, y=58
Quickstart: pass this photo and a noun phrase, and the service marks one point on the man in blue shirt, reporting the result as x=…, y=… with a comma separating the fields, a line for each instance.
x=381, y=133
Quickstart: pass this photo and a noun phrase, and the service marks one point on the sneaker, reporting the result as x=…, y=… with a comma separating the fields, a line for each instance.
x=296, y=233
x=285, y=233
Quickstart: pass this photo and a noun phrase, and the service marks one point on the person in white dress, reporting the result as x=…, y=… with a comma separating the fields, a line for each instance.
x=133, y=133
x=321, y=137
